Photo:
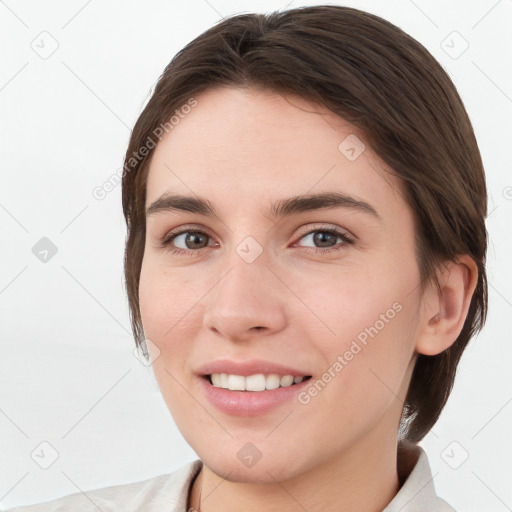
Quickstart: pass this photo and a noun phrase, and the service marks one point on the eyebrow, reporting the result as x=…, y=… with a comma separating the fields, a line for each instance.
x=282, y=208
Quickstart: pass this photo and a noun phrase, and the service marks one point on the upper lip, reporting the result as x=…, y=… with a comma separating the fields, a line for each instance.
x=248, y=367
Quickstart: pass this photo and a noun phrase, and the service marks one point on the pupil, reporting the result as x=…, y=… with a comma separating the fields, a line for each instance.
x=320, y=237
x=194, y=237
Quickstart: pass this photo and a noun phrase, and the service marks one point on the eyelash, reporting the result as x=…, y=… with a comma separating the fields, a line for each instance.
x=166, y=241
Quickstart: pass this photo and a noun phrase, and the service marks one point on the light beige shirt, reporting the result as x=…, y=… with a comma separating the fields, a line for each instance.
x=169, y=493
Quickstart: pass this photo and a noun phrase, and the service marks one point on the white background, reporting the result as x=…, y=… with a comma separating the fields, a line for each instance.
x=68, y=376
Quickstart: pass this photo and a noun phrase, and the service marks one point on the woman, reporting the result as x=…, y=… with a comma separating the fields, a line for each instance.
x=305, y=263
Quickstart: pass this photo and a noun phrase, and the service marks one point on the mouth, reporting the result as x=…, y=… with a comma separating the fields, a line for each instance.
x=254, y=394
x=253, y=383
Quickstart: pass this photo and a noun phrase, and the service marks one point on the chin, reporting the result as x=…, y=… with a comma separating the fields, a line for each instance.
x=254, y=459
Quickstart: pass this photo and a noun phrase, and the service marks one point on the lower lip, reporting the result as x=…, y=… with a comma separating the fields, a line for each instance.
x=250, y=403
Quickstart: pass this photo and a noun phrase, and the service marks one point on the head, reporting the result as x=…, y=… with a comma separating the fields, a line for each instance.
x=313, y=100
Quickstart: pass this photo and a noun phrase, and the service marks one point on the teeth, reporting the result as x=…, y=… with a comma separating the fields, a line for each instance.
x=254, y=382
x=257, y=382
x=236, y=383
x=287, y=380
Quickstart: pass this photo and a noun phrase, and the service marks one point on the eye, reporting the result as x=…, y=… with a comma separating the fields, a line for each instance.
x=194, y=240
x=191, y=239
x=322, y=235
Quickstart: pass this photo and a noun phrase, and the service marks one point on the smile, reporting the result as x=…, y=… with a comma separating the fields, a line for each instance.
x=248, y=403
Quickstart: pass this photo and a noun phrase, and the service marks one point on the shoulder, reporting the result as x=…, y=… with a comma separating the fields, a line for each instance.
x=157, y=493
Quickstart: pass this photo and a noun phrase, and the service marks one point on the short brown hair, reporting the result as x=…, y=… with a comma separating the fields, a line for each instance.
x=375, y=76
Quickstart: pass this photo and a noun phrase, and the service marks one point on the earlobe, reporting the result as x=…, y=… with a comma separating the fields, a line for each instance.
x=445, y=310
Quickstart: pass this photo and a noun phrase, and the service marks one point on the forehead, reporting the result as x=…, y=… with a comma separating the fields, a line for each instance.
x=248, y=147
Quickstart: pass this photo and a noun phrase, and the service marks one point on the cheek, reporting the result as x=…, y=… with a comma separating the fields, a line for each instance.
x=345, y=304
x=166, y=306
x=365, y=364
x=368, y=319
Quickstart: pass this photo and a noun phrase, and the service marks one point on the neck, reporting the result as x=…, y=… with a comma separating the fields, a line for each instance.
x=363, y=477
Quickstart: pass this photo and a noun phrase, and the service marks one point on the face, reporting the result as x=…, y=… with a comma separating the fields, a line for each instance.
x=319, y=289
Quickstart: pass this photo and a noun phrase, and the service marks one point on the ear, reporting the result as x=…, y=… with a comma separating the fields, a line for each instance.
x=445, y=312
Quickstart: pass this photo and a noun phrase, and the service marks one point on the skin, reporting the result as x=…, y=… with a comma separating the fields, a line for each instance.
x=242, y=149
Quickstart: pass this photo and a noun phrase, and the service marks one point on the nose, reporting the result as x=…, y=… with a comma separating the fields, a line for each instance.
x=247, y=301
